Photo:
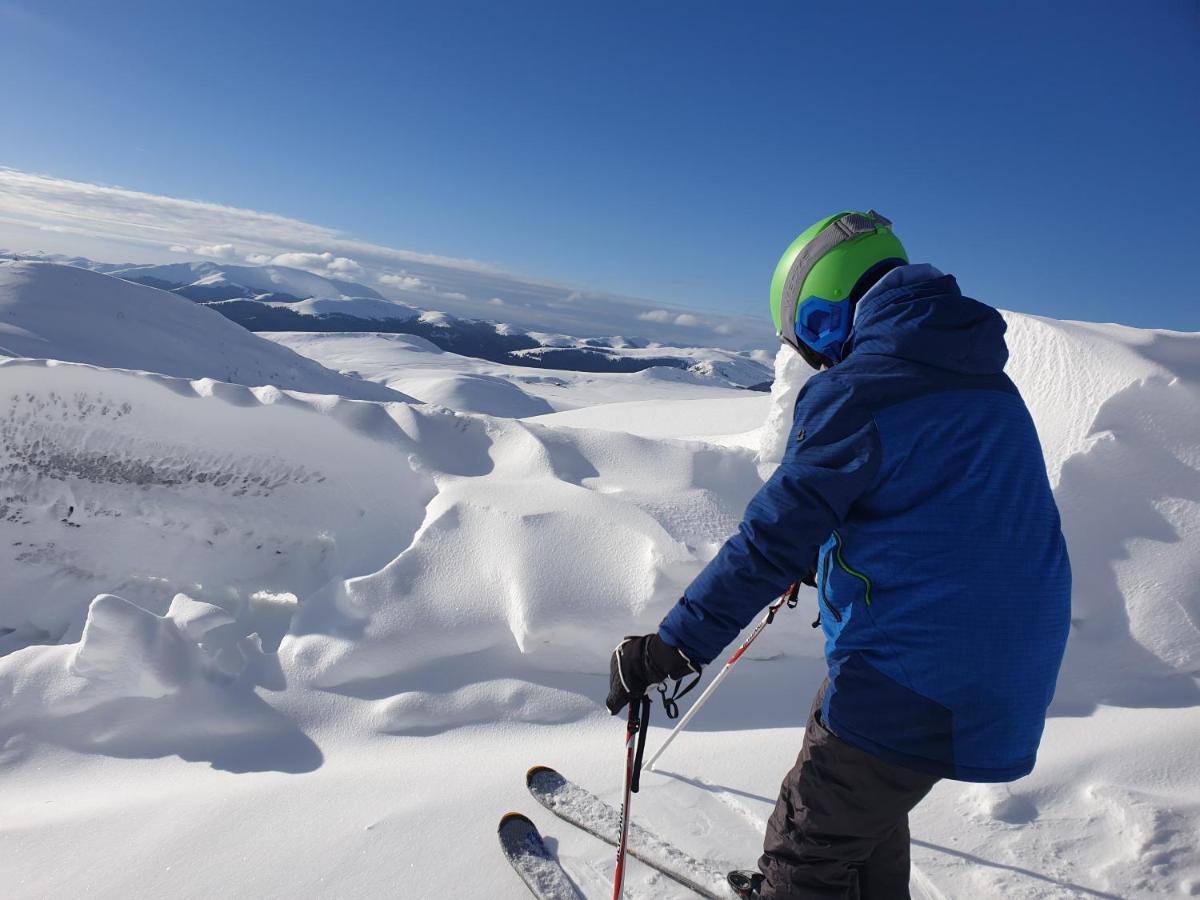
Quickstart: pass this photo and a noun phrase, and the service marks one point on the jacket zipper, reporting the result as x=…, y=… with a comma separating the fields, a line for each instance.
x=849, y=571
x=837, y=616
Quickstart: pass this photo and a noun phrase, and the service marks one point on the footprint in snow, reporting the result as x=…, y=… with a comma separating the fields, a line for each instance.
x=999, y=803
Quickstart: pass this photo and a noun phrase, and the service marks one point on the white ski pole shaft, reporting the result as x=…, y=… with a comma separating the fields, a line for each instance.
x=708, y=691
x=635, y=743
x=688, y=716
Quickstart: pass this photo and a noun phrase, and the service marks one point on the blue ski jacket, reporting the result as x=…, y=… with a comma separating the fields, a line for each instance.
x=914, y=476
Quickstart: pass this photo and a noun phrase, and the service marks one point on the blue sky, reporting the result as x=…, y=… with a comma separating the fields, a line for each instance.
x=1044, y=153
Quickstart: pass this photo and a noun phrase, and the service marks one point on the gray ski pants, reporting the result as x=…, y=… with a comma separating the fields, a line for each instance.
x=840, y=826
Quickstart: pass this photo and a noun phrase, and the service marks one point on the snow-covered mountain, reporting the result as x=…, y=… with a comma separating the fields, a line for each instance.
x=275, y=298
x=59, y=312
x=497, y=342
x=207, y=281
x=62, y=259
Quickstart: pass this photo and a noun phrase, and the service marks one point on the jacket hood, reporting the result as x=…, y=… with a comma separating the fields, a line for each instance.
x=917, y=313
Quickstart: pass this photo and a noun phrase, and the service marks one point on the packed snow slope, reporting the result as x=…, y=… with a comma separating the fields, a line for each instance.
x=50, y=311
x=265, y=644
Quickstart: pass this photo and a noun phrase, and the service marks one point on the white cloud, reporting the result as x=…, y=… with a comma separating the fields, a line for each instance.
x=116, y=214
x=684, y=320
x=217, y=251
x=110, y=222
x=404, y=282
x=344, y=266
x=655, y=315
x=319, y=263
x=302, y=260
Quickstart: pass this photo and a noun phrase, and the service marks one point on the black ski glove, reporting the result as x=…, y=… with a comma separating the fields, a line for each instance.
x=639, y=662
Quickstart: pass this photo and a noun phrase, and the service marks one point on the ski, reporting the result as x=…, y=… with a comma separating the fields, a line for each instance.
x=585, y=810
x=523, y=845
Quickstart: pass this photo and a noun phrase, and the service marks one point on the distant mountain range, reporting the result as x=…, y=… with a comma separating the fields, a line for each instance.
x=279, y=298
x=206, y=282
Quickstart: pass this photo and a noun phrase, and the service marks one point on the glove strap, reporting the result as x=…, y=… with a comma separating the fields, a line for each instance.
x=639, y=721
x=670, y=704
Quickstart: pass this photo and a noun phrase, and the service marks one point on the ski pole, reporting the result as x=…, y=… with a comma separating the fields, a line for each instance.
x=790, y=599
x=636, y=724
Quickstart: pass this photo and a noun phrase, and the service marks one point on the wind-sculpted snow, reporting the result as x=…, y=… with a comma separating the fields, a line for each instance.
x=1067, y=371
x=476, y=393
x=61, y=438
x=543, y=572
x=410, y=605
x=139, y=685
x=1116, y=409
x=145, y=485
x=236, y=492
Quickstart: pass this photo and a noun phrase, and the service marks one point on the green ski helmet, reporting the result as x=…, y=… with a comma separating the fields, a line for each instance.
x=821, y=276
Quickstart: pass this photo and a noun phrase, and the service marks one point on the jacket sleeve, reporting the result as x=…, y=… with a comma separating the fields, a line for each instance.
x=832, y=458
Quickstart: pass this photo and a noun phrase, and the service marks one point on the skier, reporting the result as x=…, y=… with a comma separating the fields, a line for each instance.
x=913, y=496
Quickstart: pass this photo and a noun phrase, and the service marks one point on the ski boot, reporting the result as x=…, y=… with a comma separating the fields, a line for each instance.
x=745, y=883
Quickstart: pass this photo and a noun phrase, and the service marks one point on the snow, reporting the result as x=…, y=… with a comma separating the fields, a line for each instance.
x=259, y=642
x=478, y=394
x=153, y=485
x=533, y=861
x=721, y=420
x=361, y=307
x=253, y=279
x=419, y=368
x=585, y=809
x=50, y=311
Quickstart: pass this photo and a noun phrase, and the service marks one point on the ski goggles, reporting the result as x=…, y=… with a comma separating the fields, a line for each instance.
x=839, y=231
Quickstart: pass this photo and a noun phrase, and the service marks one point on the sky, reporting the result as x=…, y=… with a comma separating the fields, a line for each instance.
x=1046, y=154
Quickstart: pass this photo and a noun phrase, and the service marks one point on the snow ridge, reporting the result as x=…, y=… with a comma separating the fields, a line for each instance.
x=49, y=311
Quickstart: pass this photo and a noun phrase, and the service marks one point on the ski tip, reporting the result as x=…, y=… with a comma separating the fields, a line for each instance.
x=513, y=817
x=537, y=770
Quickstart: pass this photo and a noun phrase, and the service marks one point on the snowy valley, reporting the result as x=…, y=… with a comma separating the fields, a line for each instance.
x=290, y=612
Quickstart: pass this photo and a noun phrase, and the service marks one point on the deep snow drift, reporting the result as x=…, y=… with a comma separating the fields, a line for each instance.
x=265, y=644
